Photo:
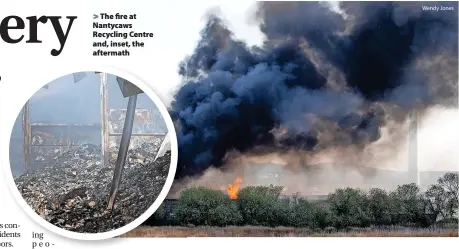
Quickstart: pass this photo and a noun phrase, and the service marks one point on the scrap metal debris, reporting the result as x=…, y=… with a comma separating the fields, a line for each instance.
x=72, y=191
x=144, y=153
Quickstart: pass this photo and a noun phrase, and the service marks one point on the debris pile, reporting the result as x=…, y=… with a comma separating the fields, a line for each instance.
x=43, y=156
x=142, y=154
x=72, y=192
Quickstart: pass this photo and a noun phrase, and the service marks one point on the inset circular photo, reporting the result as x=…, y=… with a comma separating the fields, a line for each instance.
x=90, y=153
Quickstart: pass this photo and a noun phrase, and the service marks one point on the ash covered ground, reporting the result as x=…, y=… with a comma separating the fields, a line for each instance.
x=72, y=190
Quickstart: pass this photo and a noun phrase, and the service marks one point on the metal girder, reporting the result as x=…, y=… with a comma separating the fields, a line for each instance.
x=122, y=153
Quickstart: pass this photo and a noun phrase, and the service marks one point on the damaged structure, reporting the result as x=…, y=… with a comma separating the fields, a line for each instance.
x=69, y=168
x=45, y=139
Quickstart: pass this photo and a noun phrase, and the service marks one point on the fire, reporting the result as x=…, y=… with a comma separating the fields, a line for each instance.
x=233, y=189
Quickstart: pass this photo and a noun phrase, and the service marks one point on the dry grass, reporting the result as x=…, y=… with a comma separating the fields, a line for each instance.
x=248, y=231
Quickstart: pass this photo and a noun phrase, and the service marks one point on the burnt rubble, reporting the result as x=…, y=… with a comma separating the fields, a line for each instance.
x=140, y=155
x=72, y=191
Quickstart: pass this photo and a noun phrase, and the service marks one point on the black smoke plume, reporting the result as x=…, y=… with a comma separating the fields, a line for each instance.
x=321, y=79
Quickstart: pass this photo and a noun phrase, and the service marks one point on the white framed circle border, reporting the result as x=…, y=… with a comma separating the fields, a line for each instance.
x=139, y=220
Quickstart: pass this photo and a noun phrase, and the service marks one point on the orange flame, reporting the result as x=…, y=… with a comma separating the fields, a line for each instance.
x=233, y=189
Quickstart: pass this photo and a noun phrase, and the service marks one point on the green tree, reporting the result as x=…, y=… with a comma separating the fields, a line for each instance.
x=380, y=207
x=307, y=214
x=349, y=208
x=450, y=184
x=202, y=206
x=261, y=206
x=437, y=199
x=411, y=206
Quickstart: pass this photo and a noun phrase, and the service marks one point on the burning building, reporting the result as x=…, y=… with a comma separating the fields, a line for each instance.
x=344, y=90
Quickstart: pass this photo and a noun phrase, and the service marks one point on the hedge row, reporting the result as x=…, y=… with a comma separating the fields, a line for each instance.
x=348, y=207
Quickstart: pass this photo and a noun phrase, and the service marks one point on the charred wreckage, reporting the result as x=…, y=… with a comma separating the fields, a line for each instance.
x=75, y=184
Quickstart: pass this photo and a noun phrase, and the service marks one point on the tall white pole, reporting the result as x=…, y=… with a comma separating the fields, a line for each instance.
x=413, y=170
x=104, y=119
